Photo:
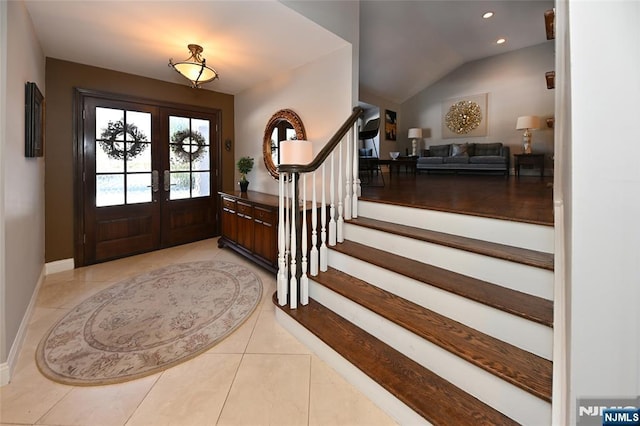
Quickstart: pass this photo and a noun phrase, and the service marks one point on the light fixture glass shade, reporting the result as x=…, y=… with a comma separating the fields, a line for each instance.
x=415, y=133
x=528, y=122
x=195, y=67
x=296, y=152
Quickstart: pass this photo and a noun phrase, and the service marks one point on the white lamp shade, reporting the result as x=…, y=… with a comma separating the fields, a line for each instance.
x=415, y=133
x=296, y=152
x=528, y=122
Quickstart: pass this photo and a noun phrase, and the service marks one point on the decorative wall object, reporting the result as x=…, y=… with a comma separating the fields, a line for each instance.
x=465, y=116
x=390, y=125
x=34, y=121
x=550, y=24
x=550, y=76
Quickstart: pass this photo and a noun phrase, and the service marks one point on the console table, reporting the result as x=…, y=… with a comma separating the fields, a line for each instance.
x=250, y=226
x=528, y=160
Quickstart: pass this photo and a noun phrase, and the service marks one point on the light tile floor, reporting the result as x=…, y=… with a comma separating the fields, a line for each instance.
x=259, y=375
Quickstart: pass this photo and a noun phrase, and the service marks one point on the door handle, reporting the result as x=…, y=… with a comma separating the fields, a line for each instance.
x=167, y=180
x=155, y=181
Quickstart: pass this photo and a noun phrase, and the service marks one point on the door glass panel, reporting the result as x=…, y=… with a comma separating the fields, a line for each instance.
x=138, y=161
x=189, y=157
x=105, y=164
x=109, y=190
x=138, y=188
x=202, y=163
x=180, y=186
x=178, y=158
x=123, y=147
x=200, y=184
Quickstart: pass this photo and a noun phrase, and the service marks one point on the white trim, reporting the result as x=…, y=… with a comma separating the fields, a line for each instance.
x=59, y=266
x=6, y=369
x=561, y=396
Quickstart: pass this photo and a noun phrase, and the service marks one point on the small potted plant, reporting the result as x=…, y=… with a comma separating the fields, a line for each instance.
x=245, y=165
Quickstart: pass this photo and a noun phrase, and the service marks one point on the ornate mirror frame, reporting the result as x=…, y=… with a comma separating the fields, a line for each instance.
x=284, y=115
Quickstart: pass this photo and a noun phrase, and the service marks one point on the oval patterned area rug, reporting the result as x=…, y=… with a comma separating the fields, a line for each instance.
x=148, y=323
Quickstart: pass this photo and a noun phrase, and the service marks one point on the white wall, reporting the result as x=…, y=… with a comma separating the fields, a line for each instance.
x=22, y=179
x=342, y=18
x=319, y=92
x=516, y=85
x=604, y=250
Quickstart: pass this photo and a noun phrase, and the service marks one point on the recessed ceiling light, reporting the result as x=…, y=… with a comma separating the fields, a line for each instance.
x=501, y=40
x=487, y=15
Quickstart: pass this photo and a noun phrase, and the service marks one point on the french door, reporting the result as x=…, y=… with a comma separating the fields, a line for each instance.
x=149, y=177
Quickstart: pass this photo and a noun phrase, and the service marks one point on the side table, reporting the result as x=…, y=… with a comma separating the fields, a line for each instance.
x=529, y=160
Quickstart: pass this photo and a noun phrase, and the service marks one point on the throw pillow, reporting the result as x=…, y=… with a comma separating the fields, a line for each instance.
x=439, y=150
x=459, y=150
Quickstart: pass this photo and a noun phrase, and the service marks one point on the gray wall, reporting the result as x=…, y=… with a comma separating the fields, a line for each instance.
x=22, y=178
x=515, y=83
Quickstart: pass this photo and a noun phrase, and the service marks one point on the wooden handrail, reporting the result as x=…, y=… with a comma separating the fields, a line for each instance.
x=327, y=149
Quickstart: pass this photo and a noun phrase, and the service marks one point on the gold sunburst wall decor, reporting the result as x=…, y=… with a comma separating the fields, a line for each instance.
x=464, y=117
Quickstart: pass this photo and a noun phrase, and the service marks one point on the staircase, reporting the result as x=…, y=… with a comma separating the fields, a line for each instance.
x=446, y=319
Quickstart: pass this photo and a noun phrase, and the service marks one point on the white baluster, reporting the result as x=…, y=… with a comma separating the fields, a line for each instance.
x=282, y=268
x=340, y=222
x=314, y=230
x=323, y=226
x=356, y=177
x=347, y=173
x=287, y=233
x=304, y=280
x=293, y=283
x=332, y=207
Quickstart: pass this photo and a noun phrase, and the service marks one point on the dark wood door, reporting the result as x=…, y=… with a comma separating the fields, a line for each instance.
x=148, y=177
x=188, y=177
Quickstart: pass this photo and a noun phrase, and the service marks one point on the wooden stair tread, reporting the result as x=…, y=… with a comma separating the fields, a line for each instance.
x=514, y=302
x=528, y=257
x=510, y=363
x=429, y=395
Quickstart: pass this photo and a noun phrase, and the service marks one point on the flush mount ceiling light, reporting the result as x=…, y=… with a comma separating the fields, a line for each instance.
x=487, y=15
x=195, y=67
x=501, y=41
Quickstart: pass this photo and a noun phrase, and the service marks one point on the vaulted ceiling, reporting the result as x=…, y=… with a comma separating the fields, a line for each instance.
x=404, y=45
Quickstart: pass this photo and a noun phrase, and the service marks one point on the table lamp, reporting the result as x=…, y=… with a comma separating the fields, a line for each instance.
x=526, y=123
x=415, y=134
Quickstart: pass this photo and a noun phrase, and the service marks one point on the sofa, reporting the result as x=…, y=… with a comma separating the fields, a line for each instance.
x=465, y=157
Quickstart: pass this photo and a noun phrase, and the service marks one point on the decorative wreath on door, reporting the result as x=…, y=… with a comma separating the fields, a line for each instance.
x=188, y=145
x=116, y=149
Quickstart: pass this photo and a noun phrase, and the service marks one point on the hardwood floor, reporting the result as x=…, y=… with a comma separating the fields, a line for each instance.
x=525, y=199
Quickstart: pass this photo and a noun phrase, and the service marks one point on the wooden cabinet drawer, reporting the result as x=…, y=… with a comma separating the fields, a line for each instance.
x=229, y=203
x=264, y=215
x=245, y=209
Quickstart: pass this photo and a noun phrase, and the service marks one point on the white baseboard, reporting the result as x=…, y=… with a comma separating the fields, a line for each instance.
x=7, y=368
x=59, y=266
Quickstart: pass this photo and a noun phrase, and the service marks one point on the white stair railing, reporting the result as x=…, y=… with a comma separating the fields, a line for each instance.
x=296, y=260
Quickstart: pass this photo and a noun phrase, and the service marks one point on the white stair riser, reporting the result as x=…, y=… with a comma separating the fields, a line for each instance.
x=499, y=394
x=517, y=234
x=376, y=393
x=519, y=277
x=525, y=334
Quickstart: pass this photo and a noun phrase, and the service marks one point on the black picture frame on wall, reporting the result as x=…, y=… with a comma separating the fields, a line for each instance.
x=390, y=125
x=34, y=121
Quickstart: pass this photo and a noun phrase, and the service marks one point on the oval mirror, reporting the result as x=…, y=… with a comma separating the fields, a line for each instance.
x=283, y=125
